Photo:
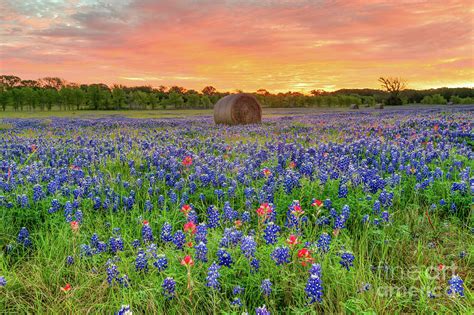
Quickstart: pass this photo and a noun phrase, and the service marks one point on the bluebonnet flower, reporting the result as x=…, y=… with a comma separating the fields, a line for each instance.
x=115, y=244
x=456, y=286
x=339, y=222
x=385, y=216
x=112, y=273
x=376, y=207
x=68, y=208
x=212, y=217
x=141, y=262
x=69, y=260
x=347, y=260
x=193, y=217
x=262, y=310
x=271, y=233
x=147, y=233
x=201, y=252
x=327, y=203
x=168, y=287
x=55, y=206
x=314, y=288
x=24, y=237
x=201, y=233
x=136, y=243
x=148, y=206
x=342, y=193
x=266, y=287
x=236, y=302
x=3, y=281
x=246, y=217
x=281, y=255
x=248, y=246
x=166, y=232
x=255, y=265
x=78, y=216
x=229, y=214
x=213, y=277
x=161, y=263
x=461, y=187
x=38, y=193
x=237, y=290
x=224, y=258
x=179, y=239
x=365, y=219
x=324, y=242
x=124, y=310
x=364, y=287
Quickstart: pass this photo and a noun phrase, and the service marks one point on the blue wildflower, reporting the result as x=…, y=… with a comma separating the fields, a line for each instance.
x=169, y=286
x=224, y=258
x=266, y=287
x=347, y=260
x=456, y=286
x=213, y=276
x=281, y=255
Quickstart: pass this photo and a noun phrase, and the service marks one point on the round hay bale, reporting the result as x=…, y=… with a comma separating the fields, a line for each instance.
x=379, y=106
x=354, y=106
x=237, y=109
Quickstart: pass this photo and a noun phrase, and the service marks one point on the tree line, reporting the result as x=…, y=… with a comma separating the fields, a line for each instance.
x=55, y=93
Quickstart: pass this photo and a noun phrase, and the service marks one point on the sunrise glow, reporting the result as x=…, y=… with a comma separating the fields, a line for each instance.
x=277, y=45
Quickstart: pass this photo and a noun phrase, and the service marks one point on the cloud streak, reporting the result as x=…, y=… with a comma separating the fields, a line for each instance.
x=278, y=45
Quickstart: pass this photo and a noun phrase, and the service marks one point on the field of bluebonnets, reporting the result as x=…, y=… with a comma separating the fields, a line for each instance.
x=330, y=212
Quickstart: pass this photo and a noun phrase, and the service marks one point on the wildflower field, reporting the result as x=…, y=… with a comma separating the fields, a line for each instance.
x=334, y=212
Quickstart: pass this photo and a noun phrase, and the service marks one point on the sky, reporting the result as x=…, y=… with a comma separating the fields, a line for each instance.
x=293, y=45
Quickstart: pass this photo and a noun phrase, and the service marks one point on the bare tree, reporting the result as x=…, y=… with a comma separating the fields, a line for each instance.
x=393, y=85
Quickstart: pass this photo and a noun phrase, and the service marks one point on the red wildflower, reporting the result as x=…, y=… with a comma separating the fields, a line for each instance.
x=237, y=224
x=75, y=226
x=187, y=261
x=145, y=222
x=66, y=288
x=292, y=240
x=264, y=210
x=292, y=164
x=317, y=203
x=440, y=267
x=186, y=209
x=297, y=210
x=305, y=255
x=187, y=161
x=33, y=148
x=267, y=172
x=190, y=227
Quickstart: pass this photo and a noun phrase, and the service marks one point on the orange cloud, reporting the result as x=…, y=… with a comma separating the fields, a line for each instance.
x=279, y=45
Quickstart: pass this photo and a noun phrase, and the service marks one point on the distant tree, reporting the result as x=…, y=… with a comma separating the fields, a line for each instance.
x=318, y=92
x=29, y=83
x=78, y=97
x=205, y=101
x=263, y=92
x=393, y=86
x=52, y=83
x=176, y=100
x=10, y=81
x=209, y=90
x=192, y=100
x=177, y=89
x=118, y=96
